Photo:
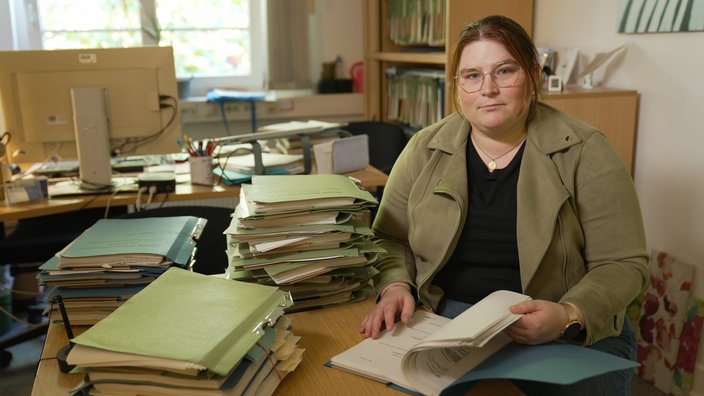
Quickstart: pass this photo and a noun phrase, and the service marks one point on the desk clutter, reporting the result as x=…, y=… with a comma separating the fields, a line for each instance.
x=156, y=327
x=114, y=259
x=306, y=235
x=289, y=148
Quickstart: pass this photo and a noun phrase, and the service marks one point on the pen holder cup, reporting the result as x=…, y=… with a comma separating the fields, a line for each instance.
x=201, y=170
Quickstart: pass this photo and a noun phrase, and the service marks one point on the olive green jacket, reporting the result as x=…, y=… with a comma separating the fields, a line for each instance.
x=579, y=227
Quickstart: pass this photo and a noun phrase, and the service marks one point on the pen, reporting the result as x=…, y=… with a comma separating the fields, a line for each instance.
x=189, y=146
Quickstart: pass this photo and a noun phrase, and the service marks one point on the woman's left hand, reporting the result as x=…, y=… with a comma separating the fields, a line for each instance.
x=542, y=322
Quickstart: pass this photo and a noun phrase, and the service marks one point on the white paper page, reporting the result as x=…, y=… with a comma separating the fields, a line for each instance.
x=432, y=370
x=380, y=359
x=481, y=318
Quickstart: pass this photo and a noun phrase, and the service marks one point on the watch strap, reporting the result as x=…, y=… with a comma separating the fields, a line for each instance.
x=573, y=326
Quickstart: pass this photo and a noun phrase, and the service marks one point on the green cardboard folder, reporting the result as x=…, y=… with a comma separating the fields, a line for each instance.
x=169, y=237
x=186, y=317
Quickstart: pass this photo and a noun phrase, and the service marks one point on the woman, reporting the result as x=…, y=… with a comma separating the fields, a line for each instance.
x=509, y=193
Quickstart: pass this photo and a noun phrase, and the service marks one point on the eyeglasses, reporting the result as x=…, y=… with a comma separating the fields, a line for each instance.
x=472, y=79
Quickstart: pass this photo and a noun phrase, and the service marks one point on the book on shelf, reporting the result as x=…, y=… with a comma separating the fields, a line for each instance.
x=413, y=22
x=433, y=355
x=416, y=96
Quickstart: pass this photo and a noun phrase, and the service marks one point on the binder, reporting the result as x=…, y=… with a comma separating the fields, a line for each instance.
x=342, y=155
x=183, y=322
x=143, y=241
x=114, y=258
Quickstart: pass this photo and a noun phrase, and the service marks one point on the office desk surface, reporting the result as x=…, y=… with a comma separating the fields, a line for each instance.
x=324, y=333
x=369, y=177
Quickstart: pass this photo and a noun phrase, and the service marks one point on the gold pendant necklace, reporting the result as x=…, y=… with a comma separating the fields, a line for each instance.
x=492, y=163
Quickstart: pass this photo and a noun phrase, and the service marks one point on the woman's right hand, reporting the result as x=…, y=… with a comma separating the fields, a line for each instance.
x=396, y=300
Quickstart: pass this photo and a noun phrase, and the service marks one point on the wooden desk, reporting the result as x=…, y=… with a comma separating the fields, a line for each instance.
x=324, y=333
x=370, y=177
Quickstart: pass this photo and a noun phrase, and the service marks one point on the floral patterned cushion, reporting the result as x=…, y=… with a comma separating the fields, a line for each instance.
x=667, y=327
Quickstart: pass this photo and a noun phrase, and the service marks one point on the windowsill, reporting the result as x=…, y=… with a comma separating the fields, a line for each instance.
x=274, y=95
x=289, y=106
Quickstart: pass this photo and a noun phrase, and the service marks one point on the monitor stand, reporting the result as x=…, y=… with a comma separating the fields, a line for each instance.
x=92, y=139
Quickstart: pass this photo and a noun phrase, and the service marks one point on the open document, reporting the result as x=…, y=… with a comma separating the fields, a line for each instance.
x=433, y=355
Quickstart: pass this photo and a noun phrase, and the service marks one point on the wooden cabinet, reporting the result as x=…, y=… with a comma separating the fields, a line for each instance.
x=613, y=111
x=381, y=53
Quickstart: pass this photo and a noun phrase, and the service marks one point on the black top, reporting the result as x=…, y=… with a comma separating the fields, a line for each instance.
x=486, y=256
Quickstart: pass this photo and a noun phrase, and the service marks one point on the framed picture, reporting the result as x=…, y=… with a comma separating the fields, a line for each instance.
x=554, y=84
x=644, y=16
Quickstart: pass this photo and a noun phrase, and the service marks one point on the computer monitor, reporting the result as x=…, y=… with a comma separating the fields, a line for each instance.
x=43, y=93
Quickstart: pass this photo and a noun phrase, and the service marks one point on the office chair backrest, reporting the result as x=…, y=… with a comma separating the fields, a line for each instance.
x=386, y=141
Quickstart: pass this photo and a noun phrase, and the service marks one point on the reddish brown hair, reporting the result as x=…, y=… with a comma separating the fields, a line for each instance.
x=514, y=38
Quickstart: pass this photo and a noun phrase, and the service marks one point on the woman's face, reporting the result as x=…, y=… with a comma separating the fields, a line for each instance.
x=493, y=110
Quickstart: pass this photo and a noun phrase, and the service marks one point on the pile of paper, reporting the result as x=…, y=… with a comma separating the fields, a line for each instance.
x=276, y=149
x=305, y=234
x=116, y=258
x=190, y=334
x=274, y=163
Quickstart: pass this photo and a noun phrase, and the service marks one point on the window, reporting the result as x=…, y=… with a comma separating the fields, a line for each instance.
x=213, y=40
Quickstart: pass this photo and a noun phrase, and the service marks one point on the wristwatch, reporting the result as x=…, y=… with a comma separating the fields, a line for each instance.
x=573, y=326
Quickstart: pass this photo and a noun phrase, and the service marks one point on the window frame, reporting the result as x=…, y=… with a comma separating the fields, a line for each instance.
x=21, y=16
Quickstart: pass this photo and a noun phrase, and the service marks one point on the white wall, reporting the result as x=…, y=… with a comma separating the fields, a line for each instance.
x=338, y=32
x=666, y=69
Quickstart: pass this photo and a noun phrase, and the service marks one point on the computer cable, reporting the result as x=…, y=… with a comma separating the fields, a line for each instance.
x=113, y=195
x=152, y=191
x=138, y=201
x=9, y=314
x=131, y=145
x=163, y=201
x=223, y=165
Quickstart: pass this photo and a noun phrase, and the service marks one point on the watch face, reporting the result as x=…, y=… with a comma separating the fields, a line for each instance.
x=571, y=331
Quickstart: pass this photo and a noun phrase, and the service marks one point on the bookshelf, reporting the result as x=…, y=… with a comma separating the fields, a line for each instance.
x=382, y=53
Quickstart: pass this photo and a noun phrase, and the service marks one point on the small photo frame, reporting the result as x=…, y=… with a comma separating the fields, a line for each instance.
x=554, y=84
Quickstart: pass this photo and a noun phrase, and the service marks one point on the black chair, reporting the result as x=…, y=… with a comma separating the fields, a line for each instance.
x=210, y=257
x=32, y=242
x=386, y=141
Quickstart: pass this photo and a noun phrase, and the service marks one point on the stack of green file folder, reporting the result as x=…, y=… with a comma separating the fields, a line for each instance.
x=307, y=235
x=114, y=259
x=190, y=334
